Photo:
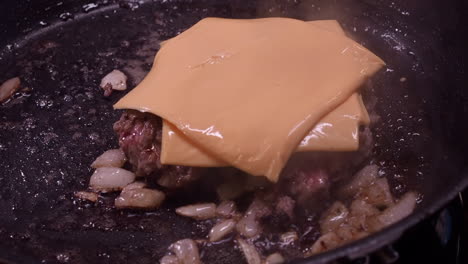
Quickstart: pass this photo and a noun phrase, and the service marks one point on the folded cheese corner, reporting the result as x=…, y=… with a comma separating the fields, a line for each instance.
x=248, y=91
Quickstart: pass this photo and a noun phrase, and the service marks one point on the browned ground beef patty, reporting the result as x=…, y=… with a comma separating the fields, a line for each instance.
x=140, y=138
x=306, y=178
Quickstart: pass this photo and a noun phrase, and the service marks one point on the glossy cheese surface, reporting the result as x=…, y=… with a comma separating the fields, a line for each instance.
x=248, y=91
x=338, y=131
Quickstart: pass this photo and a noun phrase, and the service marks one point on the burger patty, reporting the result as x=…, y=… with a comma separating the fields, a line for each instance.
x=307, y=176
x=140, y=137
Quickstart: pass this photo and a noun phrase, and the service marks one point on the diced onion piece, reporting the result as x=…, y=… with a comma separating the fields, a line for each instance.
x=377, y=194
x=198, y=211
x=134, y=185
x=140, y=198
x=169, y=259
x=8, y=88
x=258, y=208
x=116, y=79
x=362, y=208
x=274, y=258
x=111, y=158
x=289, y=237
x=363, y=178
x=348, y=232
x=336, y=215
x=250, y=252
x=186, y=251
x=324, y=243
x=90, y=196
x=222, y=229
x=107, y=179
x=248, y=226
x=361, y=213
x=226, y=209
x=400, y=210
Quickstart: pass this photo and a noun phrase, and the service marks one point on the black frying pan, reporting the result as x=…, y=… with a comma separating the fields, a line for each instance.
x=57, y=125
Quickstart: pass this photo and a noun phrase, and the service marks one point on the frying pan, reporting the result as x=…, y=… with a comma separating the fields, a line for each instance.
x=59, y=122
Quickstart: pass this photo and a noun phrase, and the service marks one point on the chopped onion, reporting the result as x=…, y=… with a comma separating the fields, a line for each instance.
x=274, y=258
x=248, y=226
x=221, y=230
x=140, y=198
x=8, y=88
x=364, y=177
x=107, y=179
x=377, y=194
x=115, y=80
x=324, y=243
x=258, y=208
x=348, y=232
x=134, y=185
x=90, y=196
x=226, y=209
x=169, y=259
x=289, y=237
x=198, y=211
x=361, y=213
x=186, y=251
x=400, y=210
x=362, y=208
x=250, y=252
x=111, y=158
x=336, y=215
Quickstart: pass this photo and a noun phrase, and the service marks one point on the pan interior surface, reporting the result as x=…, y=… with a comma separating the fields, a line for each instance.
x=59, y=122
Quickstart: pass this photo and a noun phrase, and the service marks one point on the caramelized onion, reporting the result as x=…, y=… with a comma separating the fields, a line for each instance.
x=289, y=237
x=226, y=209
x=378, y=193
x=248, y=226
x=134, y=185
x=186, y=251
x=222, y=229
x=363, y=178
x=107, y=179
x=274, y=258
x=250, y=252
x=111, y=158
x=400, y=210
x=115, y=80
x=169, y=259
x=8, y=88
x=90, y=196
x=140, y=198
x=325, y=242
x=198, y=211
x=336, y=215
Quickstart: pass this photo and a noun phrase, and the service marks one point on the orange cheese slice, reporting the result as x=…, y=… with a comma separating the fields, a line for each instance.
x=248, y=91
x=338, y=131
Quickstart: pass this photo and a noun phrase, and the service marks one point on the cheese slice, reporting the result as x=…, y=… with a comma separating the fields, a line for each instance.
x=248, y=91
x=176, y=149
x=338, y=131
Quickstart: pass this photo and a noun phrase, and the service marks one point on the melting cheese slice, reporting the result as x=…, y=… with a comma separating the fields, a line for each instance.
x=248, y=91
x=338, y=131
